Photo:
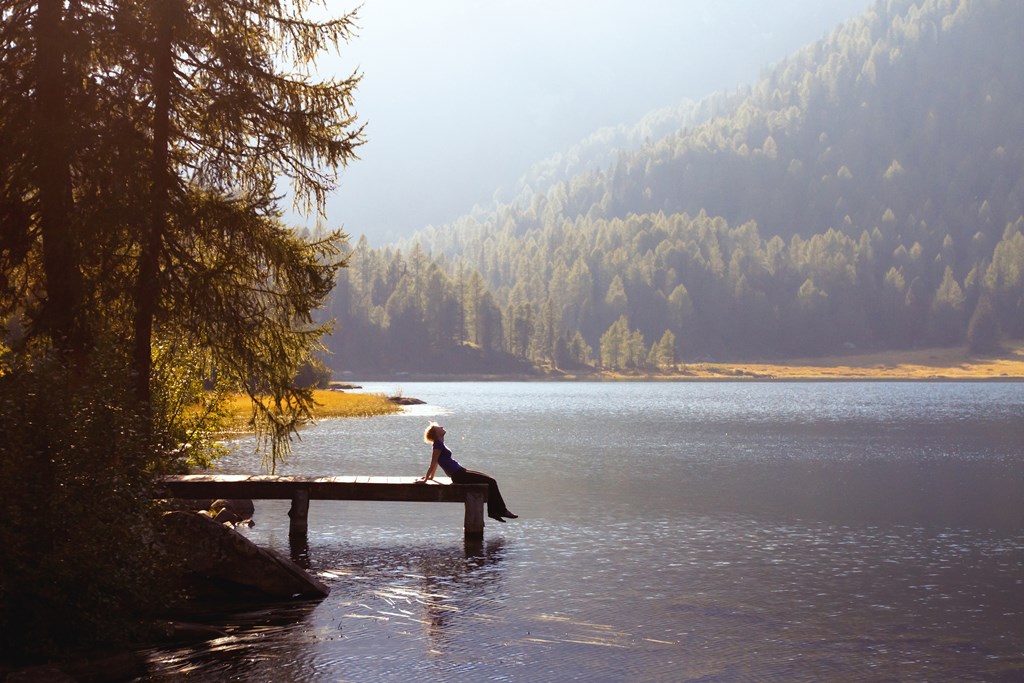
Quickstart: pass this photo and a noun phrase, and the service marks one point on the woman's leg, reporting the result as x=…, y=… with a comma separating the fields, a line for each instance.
x=495, y=503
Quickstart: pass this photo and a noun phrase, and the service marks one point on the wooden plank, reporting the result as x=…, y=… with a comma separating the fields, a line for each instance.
x=345, y=479
x=225, y=478
x=319, y=488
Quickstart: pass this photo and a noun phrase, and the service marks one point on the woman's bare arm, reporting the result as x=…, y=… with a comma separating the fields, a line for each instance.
x=434, y=454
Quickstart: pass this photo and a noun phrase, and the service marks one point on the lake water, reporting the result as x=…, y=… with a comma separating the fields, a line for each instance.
x=667, y=532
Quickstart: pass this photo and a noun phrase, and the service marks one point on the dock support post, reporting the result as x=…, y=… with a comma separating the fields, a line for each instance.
x=474, y=515
x=299, y=512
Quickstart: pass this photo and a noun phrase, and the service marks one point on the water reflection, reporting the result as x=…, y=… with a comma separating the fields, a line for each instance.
x=298, y=546
x=391, y=600
x=454, y=593
x=230, y=657
x=444, y=591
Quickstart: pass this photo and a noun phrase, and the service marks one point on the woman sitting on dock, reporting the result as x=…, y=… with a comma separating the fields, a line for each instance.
x=441, y=455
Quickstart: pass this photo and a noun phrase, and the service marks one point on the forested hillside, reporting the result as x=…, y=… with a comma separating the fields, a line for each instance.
x=868, y=192
x=606, y=145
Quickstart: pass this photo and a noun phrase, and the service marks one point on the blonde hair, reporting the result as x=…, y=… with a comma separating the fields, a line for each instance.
x=431, y=434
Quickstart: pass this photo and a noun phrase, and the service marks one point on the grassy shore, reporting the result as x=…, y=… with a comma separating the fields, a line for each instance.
x=917, y=364
x=328, y=404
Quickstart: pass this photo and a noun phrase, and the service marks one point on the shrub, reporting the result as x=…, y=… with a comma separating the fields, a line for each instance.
x=80, y=560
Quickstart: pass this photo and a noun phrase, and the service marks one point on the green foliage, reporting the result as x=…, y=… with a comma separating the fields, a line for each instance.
x=188, y=404
x=664, y=355
x=169, y=153
x=623, y=348
x=242, y=290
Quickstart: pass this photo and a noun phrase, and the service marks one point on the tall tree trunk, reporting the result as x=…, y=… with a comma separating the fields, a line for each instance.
x=62, y=313
x=148, y=286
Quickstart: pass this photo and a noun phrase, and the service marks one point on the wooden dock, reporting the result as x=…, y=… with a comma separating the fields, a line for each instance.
x=301, y=490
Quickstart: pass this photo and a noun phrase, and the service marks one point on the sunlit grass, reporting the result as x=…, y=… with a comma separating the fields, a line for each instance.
x=916, y=364
x=342, y=404
x=238, y=407
x=949, y=363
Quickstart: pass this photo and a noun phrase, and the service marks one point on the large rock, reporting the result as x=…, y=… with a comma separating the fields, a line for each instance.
x=406, y=401
x=233, y=511
x=216, y=551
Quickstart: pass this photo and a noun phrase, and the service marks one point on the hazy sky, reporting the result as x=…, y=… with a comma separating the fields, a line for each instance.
x=461, y=97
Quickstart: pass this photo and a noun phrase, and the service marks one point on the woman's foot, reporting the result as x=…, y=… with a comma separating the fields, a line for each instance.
x=508, y=514
x=496, y=518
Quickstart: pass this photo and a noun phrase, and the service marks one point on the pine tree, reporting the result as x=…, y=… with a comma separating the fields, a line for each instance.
x=664, y=354
x=613, y=343
x=140, y=143
x=184, y=117
x=983, y=330
x=947, y=312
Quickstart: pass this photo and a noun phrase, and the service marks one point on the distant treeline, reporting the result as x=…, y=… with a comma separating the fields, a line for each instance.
x=868, y=192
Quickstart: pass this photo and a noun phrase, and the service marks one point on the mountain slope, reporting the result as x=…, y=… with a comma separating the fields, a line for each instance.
x=918, y=114
x=913, y=108
x=868, y=191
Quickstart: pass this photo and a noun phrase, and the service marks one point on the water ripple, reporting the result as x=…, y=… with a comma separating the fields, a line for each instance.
x=677, y=532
